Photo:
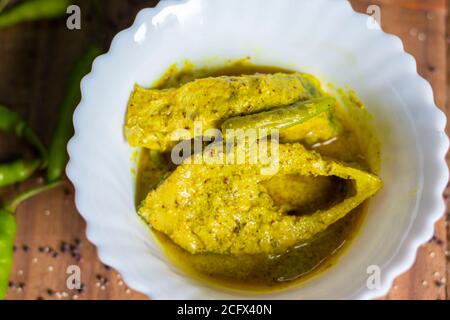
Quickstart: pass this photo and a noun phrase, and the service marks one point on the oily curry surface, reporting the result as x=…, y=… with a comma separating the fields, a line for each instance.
x=229, y=224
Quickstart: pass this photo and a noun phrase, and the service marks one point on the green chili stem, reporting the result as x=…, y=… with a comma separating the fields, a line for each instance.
x=57, y=157
x=14, y=203
x=29, y=135
x=13, y=123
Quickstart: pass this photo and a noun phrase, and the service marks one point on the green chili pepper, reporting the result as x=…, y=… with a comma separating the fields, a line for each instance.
x=57, y=157
x=8, y=232
x=14, y=203
x=32, y=10
x=12, y=122
x=7, y=235
x=283, y=117
x=18, y=171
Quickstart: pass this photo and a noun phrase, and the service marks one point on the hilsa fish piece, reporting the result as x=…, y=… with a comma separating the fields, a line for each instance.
x=154, y=115
x=226, y=208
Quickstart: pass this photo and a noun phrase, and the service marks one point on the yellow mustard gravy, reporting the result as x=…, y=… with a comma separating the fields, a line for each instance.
x=268, y=272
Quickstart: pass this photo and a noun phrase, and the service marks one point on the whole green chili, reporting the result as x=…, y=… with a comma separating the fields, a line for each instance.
x=57, y=156
x=283, y=117
x=18, y=171
x=11, y=122
x=7, y=235
x=32, y=10
x=8, y=232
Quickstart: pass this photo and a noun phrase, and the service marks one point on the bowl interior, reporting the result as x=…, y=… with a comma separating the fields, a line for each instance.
x=340, y=50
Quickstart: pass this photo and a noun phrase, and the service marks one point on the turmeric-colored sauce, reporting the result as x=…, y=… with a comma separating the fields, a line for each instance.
x=354, y=144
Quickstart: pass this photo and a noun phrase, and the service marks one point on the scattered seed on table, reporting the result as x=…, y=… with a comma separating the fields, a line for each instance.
x=50, y=268
x=432, y=254
x=101, y=279
x=413, y=32
x=25, y=248
x=50, y=292
x=63, y=247
x=424, y=283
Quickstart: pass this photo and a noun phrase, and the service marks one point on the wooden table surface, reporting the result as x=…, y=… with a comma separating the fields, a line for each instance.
x=35, y=60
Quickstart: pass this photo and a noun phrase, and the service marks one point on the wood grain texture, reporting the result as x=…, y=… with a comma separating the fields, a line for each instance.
x=447, y=191
x=35, y=60
x=421, y=24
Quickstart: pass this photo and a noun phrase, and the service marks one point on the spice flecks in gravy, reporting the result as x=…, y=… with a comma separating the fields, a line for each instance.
x=356, y=144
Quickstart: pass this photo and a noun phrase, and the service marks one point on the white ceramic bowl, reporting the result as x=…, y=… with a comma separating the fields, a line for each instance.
x=323, y=37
